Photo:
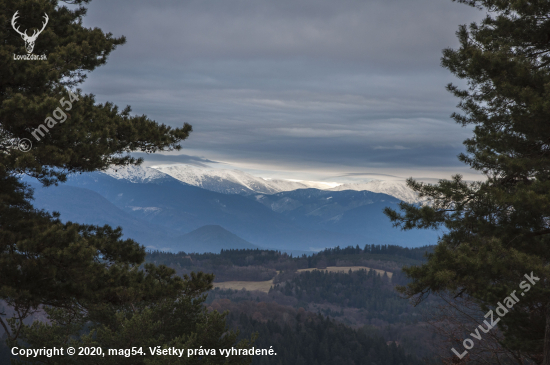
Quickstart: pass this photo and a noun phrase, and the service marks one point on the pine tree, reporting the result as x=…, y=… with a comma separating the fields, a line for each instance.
x=498, y=228
x=85, y=277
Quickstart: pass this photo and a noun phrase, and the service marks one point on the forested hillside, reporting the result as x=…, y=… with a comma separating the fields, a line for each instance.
x=358, y=312
x=365, y=290
x=245, y=264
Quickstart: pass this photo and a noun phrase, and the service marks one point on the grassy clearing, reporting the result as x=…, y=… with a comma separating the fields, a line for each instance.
x=265, y=285
x=247, y=285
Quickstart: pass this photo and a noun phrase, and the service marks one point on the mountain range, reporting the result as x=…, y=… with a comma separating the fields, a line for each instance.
x=163, y=212
x=239, y=182
x=228, y=181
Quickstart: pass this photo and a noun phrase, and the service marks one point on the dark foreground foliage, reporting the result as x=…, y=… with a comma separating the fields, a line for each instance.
x=320, y=341
x=498, y=228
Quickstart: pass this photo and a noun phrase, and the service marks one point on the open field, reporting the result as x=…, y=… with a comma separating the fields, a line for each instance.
x=265, y=285
x=247, y=285
x=348, y=268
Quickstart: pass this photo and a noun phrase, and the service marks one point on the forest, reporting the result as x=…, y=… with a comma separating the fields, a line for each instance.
x=364, y=300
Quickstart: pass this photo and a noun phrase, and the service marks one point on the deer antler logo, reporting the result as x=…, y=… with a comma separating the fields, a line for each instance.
x=29, y=41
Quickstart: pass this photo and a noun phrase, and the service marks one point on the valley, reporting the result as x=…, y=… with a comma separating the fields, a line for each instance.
x=352, y=288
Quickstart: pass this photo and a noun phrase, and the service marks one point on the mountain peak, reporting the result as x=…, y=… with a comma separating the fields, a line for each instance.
x=136, y=174
x=214, y=238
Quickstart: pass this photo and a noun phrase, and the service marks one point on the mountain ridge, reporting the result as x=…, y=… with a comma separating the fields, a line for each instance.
x=239, y=182
x=227, y=181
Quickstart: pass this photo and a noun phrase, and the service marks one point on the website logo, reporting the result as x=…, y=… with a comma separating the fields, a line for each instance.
x=29, y=40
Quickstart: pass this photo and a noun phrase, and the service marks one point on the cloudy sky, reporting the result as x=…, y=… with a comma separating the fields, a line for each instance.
x=328, y=90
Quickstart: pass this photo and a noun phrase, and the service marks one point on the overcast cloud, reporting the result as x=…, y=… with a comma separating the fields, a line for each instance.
x=296, y=89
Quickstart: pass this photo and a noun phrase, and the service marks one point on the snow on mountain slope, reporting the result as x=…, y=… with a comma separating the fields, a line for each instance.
x=239, y=182
x=227, y=181
x=286, y=185
x=136, y=174
x=397, y=189
x=321, y=185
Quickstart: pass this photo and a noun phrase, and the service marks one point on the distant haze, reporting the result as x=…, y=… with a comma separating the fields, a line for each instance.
x=202, y=210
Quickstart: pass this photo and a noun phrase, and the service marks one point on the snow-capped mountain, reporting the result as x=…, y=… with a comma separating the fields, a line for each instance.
x=239, y=182
x=161, y=212
x=398, y=189
x=157, y=209
x=321, y=185
x=228, y=181
x=137, y=174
